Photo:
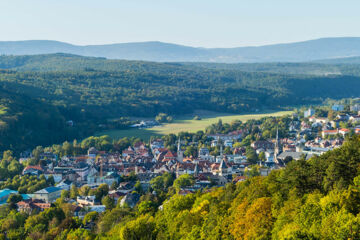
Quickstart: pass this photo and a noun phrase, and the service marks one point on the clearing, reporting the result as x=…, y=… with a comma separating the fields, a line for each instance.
x=187, y=124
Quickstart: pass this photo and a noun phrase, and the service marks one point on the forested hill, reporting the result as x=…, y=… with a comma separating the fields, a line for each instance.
x=325, y=48
x=69, y=62
x=91, y=90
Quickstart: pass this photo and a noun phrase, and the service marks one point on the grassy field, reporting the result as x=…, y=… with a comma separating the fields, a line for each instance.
x=187, y=124
x=2, y=110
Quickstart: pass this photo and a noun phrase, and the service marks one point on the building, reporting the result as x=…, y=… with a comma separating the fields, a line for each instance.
x=228, y=143
x=262, y=144
x=308, y=113
x=355, y=108
x=49, y=194
x=180, y=153
x=329, y=133
x=204, y=152
x=337, y=107
x=5, y=194
x=130, y=200
x=30, y=205
x=33, y=170
x=86, y=201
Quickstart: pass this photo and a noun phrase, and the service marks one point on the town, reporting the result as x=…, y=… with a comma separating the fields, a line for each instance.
x=196, y=162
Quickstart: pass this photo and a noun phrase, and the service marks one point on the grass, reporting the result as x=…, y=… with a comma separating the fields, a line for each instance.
x=187, y=124
x=2, y=110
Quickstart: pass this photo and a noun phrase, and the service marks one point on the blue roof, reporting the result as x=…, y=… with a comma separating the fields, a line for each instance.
x=49, y=190
x=6, y=192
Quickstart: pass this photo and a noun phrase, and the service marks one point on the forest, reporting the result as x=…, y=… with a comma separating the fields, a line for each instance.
x=41, y=94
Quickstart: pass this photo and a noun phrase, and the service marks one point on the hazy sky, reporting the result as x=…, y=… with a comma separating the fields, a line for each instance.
x=203, y=23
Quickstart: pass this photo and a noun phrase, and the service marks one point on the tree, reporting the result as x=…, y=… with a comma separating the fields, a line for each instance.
x=109, y=202
x=251, y=155
x=13, y=199
x=252, y=221
x=262, y=156
x=190, y=151
x=146, y=207
x=138, y=187
x=141, y=228
x=74, y=192
x=90, y=217
x=101, y=191
x=184, y=180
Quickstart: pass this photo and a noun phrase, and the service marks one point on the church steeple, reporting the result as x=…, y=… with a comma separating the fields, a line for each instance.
x=180, y=153
x=277, y=149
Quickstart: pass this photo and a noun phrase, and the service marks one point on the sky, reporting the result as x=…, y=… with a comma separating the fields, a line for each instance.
x=199, y=23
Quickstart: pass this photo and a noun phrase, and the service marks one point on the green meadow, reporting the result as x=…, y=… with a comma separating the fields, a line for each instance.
x=188, y=124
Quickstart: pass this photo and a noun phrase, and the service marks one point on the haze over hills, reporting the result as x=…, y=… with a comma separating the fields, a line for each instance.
x=319, y=49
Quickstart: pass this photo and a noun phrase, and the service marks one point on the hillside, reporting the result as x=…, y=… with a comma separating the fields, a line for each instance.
x=319, y=49
x=90, y=91
x=26, y=122
x=70, y=62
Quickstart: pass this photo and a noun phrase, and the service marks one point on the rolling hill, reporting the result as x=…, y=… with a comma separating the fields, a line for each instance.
x=40, y=93
x=319, y=49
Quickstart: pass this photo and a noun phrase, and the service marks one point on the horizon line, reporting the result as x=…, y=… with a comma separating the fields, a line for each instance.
x=171, y=43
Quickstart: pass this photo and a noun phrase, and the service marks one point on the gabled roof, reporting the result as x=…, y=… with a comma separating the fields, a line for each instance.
x=170, y=154
x=48, y=190
x=37, y=167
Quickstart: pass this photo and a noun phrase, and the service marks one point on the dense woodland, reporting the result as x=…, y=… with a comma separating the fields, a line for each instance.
x=39, y=94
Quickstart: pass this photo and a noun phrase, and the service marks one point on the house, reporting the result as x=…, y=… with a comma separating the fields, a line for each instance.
x=355, y=108
x=85, y=201
x=235, y=135
x=82, y=169
x=214, y=143
x=308, y=113
x=33, y=170
x=204, y=152
x=228, y=143
x=343, y=117
x=337, y=107
x=65, y=184
x=128, y=152
x=354, y=118
x=49, y=194
x=335, y=123
x=262, y=144
x=108, y=178
x=92, y=152
x=290, y=155
x=329, y=133
x=30, y=205
x=130, y=199
x=169, y=156
x=344, y=131
x=289, y=148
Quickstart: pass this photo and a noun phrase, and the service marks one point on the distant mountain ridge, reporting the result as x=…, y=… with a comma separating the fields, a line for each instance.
x=313, y=50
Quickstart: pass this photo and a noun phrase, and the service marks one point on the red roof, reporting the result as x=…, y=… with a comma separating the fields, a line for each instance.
x=170, y=154
x=37, y=167
x=344, y=130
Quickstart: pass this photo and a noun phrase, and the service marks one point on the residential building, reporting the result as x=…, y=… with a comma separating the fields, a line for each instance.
x=49, y=194
x=308, y=113
x=337, y=107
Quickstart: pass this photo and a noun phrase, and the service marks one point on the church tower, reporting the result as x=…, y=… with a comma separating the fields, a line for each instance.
x=277, y=149
x=180, y=153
